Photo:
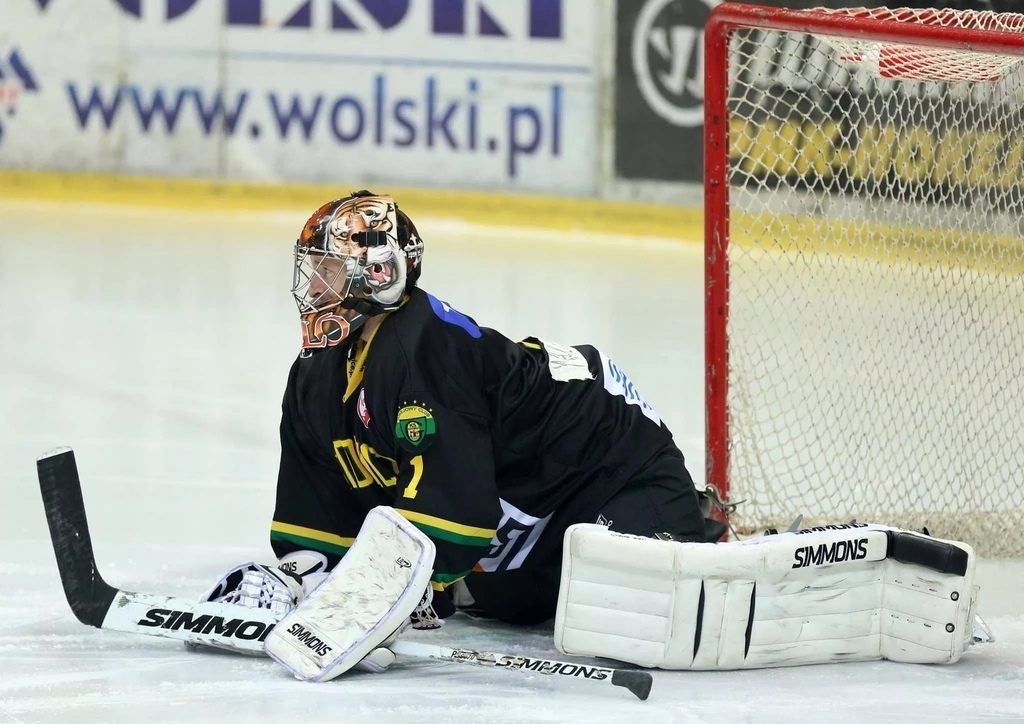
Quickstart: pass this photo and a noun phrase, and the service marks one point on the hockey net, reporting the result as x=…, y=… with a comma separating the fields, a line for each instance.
x=864, y=181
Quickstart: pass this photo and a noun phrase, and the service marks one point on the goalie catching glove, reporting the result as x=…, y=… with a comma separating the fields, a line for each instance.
x=278, y=587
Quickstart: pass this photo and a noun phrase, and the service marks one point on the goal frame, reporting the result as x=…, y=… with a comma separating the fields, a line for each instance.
x=723, y=20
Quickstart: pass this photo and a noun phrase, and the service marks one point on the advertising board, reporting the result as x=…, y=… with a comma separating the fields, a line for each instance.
x=480, y=93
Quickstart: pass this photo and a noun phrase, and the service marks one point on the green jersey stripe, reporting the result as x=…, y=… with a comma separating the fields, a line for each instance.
x=440, y=581
x=311, y=543
x=457, y=538
x=449, y=577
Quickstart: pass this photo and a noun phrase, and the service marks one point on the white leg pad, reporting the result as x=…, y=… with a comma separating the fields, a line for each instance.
x=847, y=593
x=368, y=596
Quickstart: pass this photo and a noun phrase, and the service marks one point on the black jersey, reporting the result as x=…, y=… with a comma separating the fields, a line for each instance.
x=477, y=440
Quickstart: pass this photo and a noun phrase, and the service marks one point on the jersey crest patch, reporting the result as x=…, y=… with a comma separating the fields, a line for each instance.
x=415, y=427
x=362, y=410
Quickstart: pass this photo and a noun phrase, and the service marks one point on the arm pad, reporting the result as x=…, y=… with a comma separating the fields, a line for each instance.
x=854, y=592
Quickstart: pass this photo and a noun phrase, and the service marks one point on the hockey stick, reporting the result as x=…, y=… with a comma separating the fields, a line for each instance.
x=96, y=603
x=638, y=682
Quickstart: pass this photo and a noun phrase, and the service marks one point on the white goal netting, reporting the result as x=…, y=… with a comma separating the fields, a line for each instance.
x=875, y=259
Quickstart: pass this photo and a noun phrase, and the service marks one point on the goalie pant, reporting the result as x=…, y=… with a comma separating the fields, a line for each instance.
x=852, y=592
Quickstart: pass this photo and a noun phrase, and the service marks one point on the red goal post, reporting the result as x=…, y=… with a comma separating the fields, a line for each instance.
x=864, y=268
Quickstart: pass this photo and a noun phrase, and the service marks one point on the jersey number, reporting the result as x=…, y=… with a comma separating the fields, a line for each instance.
x=517, y=534
x=417, y=472
x=508, y=542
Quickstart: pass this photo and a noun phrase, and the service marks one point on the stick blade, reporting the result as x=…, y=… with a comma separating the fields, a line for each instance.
x=638, y=682
x=88, y=594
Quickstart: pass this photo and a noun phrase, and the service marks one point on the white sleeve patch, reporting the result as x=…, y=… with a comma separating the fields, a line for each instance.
x=617, y=382
x=566, y=363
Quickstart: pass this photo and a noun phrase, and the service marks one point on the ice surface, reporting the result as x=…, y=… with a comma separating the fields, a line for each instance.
x=156, y=343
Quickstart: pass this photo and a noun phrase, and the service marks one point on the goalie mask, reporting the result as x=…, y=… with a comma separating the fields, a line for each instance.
x=356, y=257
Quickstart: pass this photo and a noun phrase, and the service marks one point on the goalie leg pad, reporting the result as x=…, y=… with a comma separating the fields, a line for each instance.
x=847, y=593
x=366, y=599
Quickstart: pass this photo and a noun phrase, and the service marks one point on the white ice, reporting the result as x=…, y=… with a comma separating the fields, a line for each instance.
x=156, y=343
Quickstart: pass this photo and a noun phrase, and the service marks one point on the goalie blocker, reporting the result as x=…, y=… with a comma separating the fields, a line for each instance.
x=853, y=592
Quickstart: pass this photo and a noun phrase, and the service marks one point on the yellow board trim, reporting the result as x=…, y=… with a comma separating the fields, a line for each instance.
x=311, y=533
x=477, y=207
x=459, y=528
x=868, y=239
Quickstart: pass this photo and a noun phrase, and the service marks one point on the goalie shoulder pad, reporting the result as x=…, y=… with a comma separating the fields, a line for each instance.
x=841, y=593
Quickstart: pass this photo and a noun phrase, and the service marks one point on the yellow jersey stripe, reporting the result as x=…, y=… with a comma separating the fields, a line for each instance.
x=356, y=378
x=312, y=533
x=459, y=529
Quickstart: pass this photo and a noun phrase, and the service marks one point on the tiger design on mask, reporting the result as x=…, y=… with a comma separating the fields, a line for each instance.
x=349, y=262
